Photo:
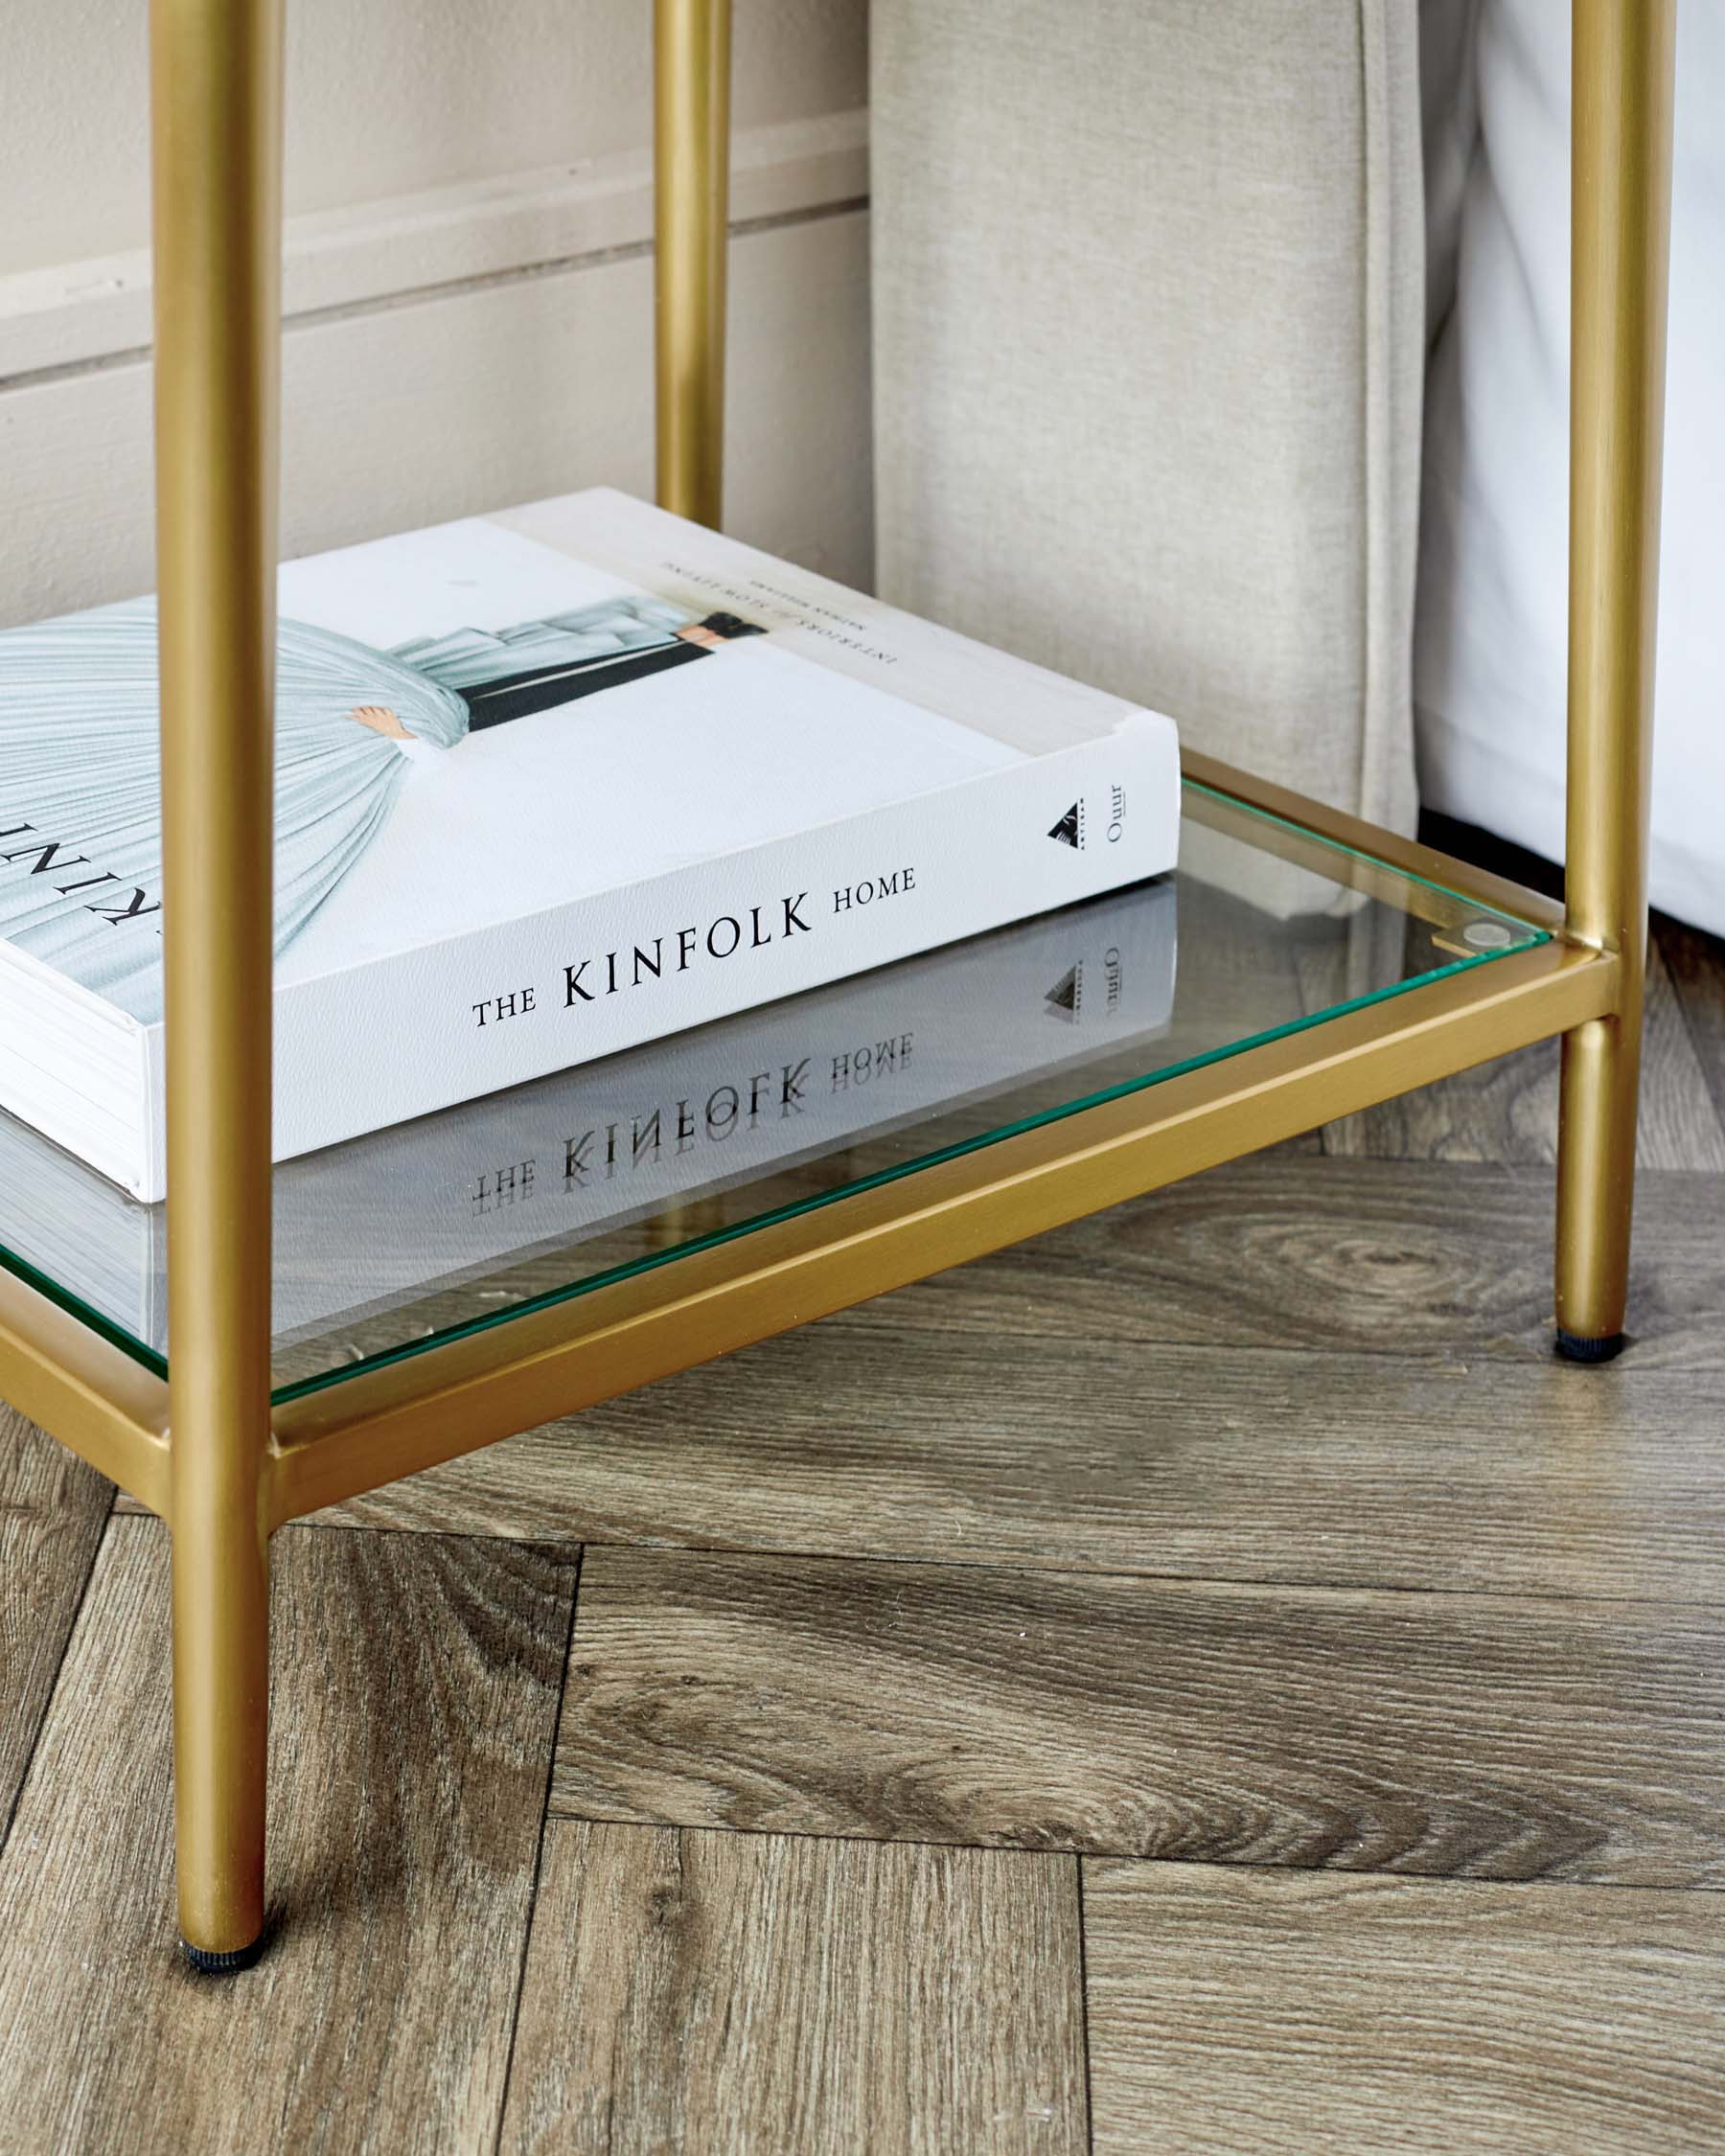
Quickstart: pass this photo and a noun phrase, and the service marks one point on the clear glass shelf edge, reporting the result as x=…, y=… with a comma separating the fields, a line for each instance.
x=463, y=1221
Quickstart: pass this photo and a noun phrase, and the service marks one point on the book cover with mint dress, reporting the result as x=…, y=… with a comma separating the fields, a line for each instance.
x=549, y=783
x=80, y=851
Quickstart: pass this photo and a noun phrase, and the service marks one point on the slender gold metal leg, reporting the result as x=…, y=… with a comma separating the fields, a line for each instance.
x=216, y=100
x=1621, y=164
x=691, y=221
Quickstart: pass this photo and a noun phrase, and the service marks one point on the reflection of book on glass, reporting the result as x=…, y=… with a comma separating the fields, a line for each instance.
x=549, y=784
x=921, y=1048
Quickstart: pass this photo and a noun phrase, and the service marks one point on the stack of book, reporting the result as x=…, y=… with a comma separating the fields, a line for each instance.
x=552, y=784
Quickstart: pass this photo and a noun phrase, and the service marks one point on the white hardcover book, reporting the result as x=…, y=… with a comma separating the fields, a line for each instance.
x=550, y=784
x=581, y=1160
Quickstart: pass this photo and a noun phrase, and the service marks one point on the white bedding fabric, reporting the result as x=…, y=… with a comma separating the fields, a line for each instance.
x=1489, y=647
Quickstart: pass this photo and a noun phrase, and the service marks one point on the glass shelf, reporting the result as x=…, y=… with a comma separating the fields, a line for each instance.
x=462, y=1221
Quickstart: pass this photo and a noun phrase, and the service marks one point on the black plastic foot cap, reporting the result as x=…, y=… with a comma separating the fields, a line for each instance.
x=1576, y=1348
x=207, y=1963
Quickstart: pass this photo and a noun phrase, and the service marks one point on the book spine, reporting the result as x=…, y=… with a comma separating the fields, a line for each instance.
x=422, y=1030
x=581, y=1158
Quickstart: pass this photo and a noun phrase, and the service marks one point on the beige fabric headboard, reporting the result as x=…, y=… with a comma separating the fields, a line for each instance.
x=1148, y=348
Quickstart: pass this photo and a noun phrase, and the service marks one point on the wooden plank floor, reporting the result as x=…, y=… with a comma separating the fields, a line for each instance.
x=1204, y=1681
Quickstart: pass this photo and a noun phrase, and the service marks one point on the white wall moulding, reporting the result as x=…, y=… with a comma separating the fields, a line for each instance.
x=375, y=254
x=472, y=346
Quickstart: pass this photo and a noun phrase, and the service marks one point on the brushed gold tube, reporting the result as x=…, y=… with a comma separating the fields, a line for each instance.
x=1621, y=185
x=216, y=158
x=691, y=56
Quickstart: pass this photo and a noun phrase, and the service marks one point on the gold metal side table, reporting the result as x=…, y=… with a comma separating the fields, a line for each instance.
x=238, y=1431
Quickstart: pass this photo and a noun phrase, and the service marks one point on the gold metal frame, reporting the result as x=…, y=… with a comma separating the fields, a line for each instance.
x=691, y=170
x=215, y=71
x=204, y=1449
x=1620, y=163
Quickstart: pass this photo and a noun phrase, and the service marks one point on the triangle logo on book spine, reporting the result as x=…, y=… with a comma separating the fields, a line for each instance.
x=1070, y=830
x=1062, y=998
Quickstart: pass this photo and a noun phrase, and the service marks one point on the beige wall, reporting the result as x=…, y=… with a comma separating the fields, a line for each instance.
x=466, y=287
x=385, y=97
